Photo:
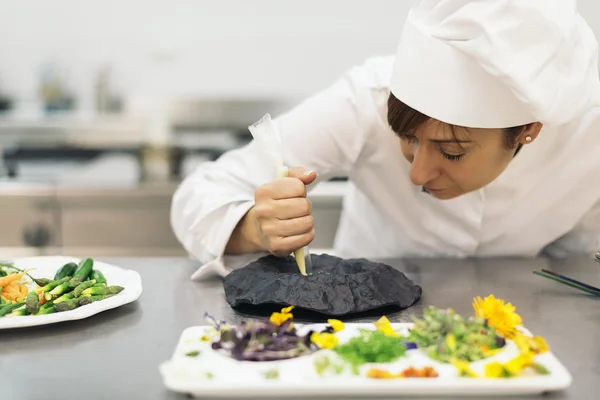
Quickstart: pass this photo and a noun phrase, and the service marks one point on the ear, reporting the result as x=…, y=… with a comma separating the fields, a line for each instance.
x=530, y=133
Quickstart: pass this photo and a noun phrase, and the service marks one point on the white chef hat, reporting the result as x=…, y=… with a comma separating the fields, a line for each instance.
x=497, y=63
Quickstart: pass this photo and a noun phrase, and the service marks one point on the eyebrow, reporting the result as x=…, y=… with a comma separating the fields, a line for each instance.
x=449, y=141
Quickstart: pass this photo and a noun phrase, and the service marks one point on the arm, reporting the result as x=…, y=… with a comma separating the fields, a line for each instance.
x=325, y=134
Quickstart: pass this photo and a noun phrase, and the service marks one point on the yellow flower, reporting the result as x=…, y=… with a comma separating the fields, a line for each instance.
x=279, y=318
x=514, y=367
x=383, y=324
x=498, y=314
x=536, y=344
x=464, y=368
x=324, y=340
x=518, y=363
x=494, y=370
x=337, y=325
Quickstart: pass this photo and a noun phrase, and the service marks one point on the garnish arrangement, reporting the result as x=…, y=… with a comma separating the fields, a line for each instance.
x=73, y=285
x=490, y=344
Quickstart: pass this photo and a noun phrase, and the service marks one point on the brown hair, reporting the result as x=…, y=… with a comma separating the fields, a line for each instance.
x=404, y=120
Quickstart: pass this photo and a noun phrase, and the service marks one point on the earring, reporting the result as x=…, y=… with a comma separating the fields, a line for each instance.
x=528, y=138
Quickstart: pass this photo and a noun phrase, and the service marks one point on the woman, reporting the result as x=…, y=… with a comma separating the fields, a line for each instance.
x=481, y=137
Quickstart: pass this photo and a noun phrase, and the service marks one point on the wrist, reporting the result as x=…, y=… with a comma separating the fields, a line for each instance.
x=246, y=237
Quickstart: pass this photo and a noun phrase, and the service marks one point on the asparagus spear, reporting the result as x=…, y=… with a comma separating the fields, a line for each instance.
x=66, y=305
x=19, y=313
x=60, y=289
x=48, y=310
x=102, y=290
x=54, y=284
x=83, y=286
x=66, y=296
x=90, y=299
x=32, y=303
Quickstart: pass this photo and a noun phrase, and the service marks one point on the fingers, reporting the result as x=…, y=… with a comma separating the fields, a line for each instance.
x=288, y=227
x=307, y=177
x=283, y=246
x=285, y=188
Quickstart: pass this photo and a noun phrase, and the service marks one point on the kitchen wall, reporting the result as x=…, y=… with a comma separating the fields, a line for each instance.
x=206, y=53
x=218, y=48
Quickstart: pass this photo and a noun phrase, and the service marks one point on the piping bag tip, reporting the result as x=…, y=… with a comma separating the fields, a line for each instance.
x=303, y=260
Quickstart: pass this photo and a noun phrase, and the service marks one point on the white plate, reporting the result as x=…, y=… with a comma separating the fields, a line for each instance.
x=297, y=377
x=46, y=267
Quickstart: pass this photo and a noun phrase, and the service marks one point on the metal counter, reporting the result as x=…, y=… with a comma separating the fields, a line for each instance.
x=116, y=354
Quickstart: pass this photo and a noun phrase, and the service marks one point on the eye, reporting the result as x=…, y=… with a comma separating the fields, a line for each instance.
x=452, y=157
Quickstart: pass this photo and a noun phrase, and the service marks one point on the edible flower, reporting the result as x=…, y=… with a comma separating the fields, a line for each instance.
x=279, y=318
x=410, y=372
x=324, y=340
x=464, y=368
x=535, y=344
x=336, y=325
x=514, y=367
x=498, y=314
x=383, y=324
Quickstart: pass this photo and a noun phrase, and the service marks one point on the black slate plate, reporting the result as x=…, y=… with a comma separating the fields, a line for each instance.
x=337, y=287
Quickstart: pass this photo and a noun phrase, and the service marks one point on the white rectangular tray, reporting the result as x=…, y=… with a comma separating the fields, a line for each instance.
x=212, y=374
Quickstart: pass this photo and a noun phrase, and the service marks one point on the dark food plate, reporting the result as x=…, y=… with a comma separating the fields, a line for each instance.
x=337, y=287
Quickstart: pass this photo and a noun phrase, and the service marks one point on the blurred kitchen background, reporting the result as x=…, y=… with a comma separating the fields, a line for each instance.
x=106, y=105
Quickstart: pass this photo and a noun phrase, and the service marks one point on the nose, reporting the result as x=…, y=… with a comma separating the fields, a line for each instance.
x=423, y=168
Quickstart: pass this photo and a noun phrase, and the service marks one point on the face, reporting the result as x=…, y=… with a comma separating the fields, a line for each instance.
x=450, y=165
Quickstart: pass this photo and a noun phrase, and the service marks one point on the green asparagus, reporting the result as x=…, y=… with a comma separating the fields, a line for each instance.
x=90, y=299
x=32, y=302
x=67, y=305
x=75, y=281
x=48, y=310
x=19, y=313
x=66, y=296
x=60, y=289
x=54, y=284
x=102, y=290
x=82, y=286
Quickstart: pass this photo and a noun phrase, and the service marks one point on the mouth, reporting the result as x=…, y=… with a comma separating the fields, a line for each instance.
x=432, y=190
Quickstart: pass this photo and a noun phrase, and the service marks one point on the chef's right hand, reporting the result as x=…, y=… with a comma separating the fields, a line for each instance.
x=282, y=213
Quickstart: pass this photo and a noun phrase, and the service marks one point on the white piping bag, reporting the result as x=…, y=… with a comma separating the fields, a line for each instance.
x=267, y=136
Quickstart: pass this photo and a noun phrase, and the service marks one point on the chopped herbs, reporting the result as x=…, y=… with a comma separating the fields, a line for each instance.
x=194, y=353
x=271, y=374
x=444, y=336
x=326, y=365
x=371, y=346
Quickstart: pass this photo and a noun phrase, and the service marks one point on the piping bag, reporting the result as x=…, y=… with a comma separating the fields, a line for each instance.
x=265, y=133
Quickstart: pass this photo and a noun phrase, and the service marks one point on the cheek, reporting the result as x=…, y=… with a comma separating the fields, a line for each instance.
x=406, y=150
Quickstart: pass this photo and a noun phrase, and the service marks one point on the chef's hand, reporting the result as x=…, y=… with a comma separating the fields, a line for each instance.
x=280, y=221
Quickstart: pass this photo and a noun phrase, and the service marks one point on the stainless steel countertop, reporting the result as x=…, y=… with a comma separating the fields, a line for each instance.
x=115, y=355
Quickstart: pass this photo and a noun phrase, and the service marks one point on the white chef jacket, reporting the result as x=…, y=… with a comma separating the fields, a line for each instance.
x=546, y=201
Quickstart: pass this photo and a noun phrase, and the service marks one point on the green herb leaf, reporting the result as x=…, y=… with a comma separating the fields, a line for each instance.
x=271, y=374
x=371, y=346
x=194, y=353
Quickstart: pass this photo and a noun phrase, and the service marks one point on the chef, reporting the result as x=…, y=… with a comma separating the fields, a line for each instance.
x=480, y=137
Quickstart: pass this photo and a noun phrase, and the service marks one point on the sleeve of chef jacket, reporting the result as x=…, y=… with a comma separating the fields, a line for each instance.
x=324, y=133
x=583, y=239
